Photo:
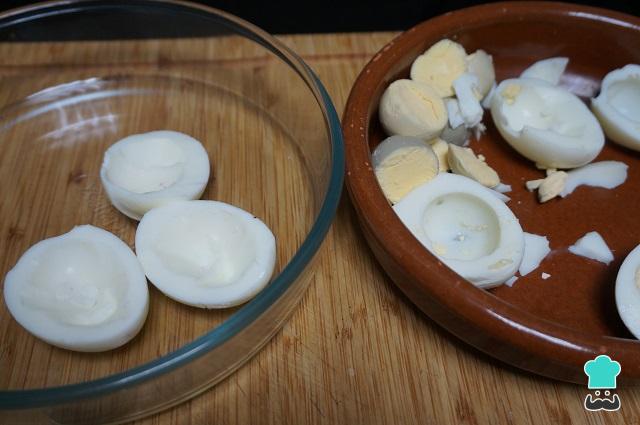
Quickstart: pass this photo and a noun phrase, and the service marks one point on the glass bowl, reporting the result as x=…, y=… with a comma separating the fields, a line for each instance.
x=76, y=77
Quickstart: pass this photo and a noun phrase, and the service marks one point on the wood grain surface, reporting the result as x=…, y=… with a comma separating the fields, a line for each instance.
x=355, y=351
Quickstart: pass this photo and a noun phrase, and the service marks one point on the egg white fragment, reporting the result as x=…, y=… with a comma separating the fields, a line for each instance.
x=480, y=64
x=618, y=106
x=466, y=89
x=549, y=70
x=546, y=124
x=466, y=226
x=144, y=171
x=453, y=112
x=628, y=292
x=488, y=98
x=205, y=253
x=499, y=195
x=84, y=290
x=592, y=246
x=502, y=188
x=536, y=248
x=606, y=174
x=511, y=281
x=403, y=163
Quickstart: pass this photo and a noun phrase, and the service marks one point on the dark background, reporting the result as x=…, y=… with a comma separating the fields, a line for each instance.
x=345, y=16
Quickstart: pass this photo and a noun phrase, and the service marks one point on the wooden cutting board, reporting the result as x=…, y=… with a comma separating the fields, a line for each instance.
x=356, y=351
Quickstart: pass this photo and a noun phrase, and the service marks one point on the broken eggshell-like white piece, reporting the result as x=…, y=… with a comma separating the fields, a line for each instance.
x=453, y=112
x=403, y=163
x=502, y=188
x=465, y=87
x=536, y=248
x=546, y=124
x=466, y=226
x=501, y=196
x=549, y=70
x=618, y=106
x=410, y=108
x=83, y=291
x=486, y=102
x=510, y=282
x=144, y=171
x=592, y=246
x=480, y=64
x=628, y=291
x=205, y=253
x=605, y=174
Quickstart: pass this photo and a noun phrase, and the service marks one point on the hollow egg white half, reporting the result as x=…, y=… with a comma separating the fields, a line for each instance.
x=466, y=226
x=206, y=254
x=628, y=292
x=144, y=171
x=545, y=123
x=84, y=290
x=618, y=106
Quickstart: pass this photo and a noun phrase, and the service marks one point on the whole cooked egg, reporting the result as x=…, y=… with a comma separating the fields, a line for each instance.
x=545, y=123
x=144, y=171
x=84, y=290
x=205, y=253
x=466, y=226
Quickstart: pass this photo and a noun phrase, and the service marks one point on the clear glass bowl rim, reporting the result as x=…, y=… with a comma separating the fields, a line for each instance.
x=37, y=398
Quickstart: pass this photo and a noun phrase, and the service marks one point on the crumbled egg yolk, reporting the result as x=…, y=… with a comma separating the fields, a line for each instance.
x=510, y=93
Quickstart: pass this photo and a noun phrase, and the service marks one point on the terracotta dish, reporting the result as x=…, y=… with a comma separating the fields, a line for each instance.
x=550, y=327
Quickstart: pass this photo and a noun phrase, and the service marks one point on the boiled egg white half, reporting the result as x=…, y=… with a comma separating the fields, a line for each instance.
x=618, y=106
x=144, y=171
x=628, y=292
x=84, y=290
x=546, y=124
x=466, y=226
x=205, y=253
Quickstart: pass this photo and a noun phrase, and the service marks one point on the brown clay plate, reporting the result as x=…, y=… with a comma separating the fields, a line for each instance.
x=552, y=326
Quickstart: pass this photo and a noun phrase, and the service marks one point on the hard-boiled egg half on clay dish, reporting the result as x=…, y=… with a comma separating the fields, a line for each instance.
x=86, y=290
x=450, y=197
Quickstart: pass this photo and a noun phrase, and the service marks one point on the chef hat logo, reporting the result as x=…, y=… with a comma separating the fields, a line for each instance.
x=602, y=372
